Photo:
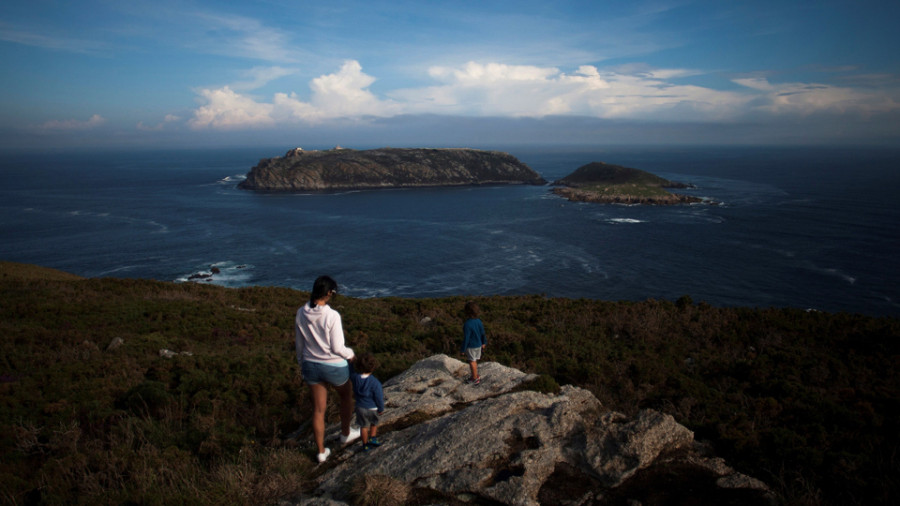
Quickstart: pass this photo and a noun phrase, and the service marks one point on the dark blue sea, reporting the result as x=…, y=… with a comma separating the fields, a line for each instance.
x=796, y=227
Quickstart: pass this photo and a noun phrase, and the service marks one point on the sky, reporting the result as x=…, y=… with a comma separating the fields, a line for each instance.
x=205, y=73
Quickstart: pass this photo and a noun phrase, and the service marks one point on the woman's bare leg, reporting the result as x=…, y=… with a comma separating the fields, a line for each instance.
x=345, y=396
x=319, y=396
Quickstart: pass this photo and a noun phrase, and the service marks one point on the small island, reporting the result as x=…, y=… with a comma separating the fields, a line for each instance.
x=613, y=184
x=341, y=169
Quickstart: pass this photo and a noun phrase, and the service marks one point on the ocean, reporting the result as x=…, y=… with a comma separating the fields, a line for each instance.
x=810, y=228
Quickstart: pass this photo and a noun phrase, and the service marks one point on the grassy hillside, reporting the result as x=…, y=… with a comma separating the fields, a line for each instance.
x=606, y=182
x=600, y=173
x=806, y=401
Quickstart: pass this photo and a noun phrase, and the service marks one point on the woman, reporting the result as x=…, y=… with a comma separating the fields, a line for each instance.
x=319, y=340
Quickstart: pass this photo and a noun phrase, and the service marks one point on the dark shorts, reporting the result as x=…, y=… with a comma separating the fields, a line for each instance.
x=316, y=372
x=366, y=417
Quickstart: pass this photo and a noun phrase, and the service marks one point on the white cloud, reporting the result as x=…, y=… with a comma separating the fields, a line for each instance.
x=74, y=124
x=288, y=108
x=343, y=94
x=509, y=90
x=170, y=118
x=809, y=98
x=501, y=90
x=478, y=74
x=245, y=37
x=257, y=77
x=34, y=37
x=228, y=110
x=346, y=93
x=756, y=83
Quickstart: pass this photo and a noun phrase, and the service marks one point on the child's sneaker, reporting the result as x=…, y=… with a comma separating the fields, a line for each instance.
x=368, y=446
x=374, y=442
x=354, y=434
x=322, y=457
x=476, y=381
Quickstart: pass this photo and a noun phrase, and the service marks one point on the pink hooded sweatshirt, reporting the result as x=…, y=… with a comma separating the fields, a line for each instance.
x=319, y=336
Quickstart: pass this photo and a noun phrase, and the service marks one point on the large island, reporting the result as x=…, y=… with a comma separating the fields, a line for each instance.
x=342, y=169
x=613, y=184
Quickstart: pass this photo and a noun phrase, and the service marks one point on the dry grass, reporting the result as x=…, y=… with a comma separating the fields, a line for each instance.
x=379, y=490
x=13, y=270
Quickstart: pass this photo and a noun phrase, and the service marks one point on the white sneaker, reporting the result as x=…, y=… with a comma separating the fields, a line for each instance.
x=324, y=455
x=354, y=434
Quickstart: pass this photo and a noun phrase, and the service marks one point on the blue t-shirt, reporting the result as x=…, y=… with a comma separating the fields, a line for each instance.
x=473, y=334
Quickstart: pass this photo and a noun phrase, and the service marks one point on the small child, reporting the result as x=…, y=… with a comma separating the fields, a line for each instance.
x=474, y=340
x=369, y=399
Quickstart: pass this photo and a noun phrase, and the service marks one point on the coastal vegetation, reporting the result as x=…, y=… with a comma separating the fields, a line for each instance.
x=607, y=183
x=125, y=391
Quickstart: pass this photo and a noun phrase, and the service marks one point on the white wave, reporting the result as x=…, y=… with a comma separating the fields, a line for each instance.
x=625, y=220
x=117, y=270
x=232, y=179
x=160, y=228
x=224, y=273
x=846, y=277
x=830, y=271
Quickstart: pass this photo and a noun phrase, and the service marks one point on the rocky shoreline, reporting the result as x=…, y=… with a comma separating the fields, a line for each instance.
x=579, y=195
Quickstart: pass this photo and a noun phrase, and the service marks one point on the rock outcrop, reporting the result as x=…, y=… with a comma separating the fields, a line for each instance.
x=343, y=169
x=500, y=441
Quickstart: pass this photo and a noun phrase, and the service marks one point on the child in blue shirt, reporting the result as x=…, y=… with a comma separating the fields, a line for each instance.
x=474, y=340
x=369, y=399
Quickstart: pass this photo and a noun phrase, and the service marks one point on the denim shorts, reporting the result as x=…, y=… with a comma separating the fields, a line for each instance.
x=317, y=372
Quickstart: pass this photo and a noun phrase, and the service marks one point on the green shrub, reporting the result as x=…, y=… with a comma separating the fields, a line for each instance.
x=149, y=398
x=543, y=383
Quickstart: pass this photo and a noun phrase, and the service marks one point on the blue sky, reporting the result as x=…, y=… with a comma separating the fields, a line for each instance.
x=161, y=73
